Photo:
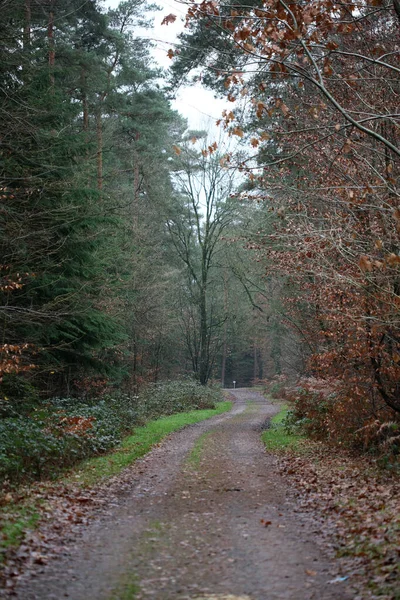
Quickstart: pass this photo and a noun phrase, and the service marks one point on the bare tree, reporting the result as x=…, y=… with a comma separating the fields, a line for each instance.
x=203, y=211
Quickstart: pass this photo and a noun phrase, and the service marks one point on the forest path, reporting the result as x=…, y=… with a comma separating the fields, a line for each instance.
x=189, y=526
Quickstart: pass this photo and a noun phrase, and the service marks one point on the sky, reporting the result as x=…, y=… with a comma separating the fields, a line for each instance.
x=196, y=103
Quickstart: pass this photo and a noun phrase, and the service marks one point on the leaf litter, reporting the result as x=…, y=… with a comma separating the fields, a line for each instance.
x=356, y=506
x=352, y=503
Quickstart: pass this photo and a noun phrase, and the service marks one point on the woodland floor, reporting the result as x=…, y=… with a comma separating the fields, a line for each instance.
x=205, y=515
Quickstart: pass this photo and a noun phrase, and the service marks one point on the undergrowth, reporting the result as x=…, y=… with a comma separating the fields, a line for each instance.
x=139, y=443
x=280, y=435
x=40, y=441
x=356, y=500
x=15, y=523
x=21, y=510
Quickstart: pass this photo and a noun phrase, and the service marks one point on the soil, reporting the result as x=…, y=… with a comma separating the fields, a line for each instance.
x=205, y=515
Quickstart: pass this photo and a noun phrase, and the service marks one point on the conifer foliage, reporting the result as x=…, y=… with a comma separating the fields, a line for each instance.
x=78, y=157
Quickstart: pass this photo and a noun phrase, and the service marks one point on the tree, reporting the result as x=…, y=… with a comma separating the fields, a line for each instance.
x=320, y=81
x=74, y=229
x=202, y=212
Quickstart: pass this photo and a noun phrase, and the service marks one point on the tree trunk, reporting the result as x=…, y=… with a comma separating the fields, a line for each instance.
x=134, y=366
x=224, y=353
x=225, y=331
x=50, y=38
x=136, y=185
x=99, y=132
x=85, y=112
x=255, y=369
x=27, y=26
x=85, y=104
x=204, y=354
x=157, y=361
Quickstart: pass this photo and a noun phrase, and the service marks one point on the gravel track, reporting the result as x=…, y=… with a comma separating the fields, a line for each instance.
x=186, y=524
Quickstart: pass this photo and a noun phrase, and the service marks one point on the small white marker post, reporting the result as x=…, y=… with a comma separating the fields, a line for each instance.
x=234, y=385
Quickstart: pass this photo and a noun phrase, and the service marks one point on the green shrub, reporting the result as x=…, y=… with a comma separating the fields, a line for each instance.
x=17, y=396
x=171, y=397
x=276, y=387
x=282, y=432
x=63, y=431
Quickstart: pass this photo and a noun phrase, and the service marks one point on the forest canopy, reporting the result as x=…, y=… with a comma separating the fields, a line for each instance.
x=95, y=290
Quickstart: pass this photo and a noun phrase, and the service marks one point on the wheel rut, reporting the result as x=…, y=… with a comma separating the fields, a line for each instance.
x=206, y=516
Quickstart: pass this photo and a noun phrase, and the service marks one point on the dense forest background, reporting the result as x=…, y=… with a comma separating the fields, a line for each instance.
x=110, y=212
x=134, y=250
x=314, y=91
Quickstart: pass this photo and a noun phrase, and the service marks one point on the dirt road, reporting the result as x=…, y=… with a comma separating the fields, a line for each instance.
x=188, y=525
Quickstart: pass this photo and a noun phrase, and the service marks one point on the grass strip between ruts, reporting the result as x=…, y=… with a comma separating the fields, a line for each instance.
x=139, y=443
x=24, y=515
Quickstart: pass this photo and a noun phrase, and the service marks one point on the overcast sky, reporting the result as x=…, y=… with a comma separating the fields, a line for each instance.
x=195, y=103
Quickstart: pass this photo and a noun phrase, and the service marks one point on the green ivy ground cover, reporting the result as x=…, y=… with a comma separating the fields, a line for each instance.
x=139, y=443
x=23, y=514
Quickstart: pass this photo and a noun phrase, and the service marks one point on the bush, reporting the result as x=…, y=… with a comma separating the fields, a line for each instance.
x=65, y=430
x=17, y=396
x=326, y=409
x=25, y=446
x=61, y=433
x=171, y=397
x=275, y=387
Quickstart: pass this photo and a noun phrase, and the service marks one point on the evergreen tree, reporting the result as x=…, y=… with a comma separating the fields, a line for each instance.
x=84, y=148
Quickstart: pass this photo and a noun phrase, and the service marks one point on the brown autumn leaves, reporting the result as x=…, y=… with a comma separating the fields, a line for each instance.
x=315, y=95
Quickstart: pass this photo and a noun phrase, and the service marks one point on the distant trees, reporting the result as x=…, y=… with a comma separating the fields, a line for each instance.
x=127, y=251
x=320, y=83
x=204, y=209
x=113, y=266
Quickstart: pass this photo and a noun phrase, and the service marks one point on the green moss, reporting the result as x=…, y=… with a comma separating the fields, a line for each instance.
x=277, y=438
x=139, y=443
x=14, y=523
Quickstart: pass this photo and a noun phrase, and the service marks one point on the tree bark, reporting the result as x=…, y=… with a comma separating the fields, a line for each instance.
x=136, y=184
x=204, y=355
x=99, y=132
x=224, y=353
x=255, y=373
x=27, y=26
x=50, y=38
x=85, y=104
x=225, y=332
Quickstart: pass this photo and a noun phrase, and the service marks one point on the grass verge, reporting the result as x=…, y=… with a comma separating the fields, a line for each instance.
x=15, y=524
x=139, y=443
x=22, y=512
x=277, y=438
x=356, y=504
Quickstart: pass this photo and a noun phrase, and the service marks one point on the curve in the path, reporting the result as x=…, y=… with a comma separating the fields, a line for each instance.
x=193, y=525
